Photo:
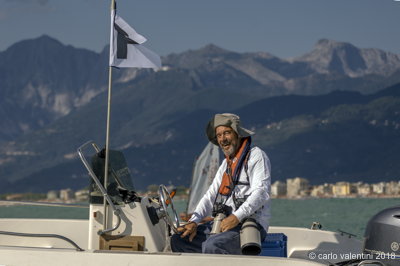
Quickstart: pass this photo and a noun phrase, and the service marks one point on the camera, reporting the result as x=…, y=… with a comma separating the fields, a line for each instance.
x=220, y=211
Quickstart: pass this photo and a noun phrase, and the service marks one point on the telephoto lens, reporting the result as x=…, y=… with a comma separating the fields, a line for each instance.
x=250, y=239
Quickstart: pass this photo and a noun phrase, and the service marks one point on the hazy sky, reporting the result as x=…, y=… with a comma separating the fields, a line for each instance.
x=285, y=28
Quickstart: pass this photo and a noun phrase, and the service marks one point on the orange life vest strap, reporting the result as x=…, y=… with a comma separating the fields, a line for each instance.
x=227, y=184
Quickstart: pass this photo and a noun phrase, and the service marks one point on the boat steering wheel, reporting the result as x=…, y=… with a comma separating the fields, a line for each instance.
x=166, y=200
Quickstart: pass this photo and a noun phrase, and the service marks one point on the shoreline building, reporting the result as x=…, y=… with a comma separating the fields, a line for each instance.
x=324, y=190
x=297, y=187
x=278, y=189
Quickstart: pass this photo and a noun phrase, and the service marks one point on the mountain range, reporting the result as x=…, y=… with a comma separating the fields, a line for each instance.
x=329, y=115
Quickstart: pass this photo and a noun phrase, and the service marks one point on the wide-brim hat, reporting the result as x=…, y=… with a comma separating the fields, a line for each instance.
x=228, y=120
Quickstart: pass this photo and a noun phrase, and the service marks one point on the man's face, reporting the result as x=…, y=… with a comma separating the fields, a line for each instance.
x=228, y=140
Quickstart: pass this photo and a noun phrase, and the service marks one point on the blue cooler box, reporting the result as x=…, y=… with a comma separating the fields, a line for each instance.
x=274, y=245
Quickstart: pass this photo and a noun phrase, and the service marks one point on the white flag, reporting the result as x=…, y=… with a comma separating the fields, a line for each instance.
x=126, y=49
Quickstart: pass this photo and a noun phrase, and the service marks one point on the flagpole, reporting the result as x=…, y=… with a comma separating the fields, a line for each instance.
x=119, y=57
x=107, y=147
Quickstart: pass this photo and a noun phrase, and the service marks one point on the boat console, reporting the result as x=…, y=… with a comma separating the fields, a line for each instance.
x=118, y=218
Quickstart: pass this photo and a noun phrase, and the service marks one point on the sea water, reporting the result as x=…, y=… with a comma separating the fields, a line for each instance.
x=347, y=214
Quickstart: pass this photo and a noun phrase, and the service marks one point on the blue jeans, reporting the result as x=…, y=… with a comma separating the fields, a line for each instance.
x=223, y=243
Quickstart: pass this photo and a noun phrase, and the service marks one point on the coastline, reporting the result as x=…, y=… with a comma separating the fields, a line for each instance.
x=184, y=198
x=4, y=203
x=339, y=197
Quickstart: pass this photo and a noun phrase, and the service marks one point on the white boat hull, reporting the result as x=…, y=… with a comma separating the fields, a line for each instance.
x=28, y=251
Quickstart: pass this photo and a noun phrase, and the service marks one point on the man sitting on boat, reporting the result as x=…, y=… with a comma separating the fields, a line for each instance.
x=240, y=191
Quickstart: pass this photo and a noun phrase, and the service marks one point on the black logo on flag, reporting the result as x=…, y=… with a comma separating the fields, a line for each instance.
x=122, y=42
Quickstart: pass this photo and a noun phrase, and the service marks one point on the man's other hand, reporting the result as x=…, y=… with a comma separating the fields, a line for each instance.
x=189, y=229
x=229, y=222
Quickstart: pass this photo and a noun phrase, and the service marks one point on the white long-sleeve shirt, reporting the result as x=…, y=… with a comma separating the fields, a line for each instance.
x=257, y=192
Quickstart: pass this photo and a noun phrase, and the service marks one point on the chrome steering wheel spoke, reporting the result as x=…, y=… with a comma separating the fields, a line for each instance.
x=166, y=200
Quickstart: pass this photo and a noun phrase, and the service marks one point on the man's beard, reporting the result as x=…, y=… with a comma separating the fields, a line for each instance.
x=231, y=151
